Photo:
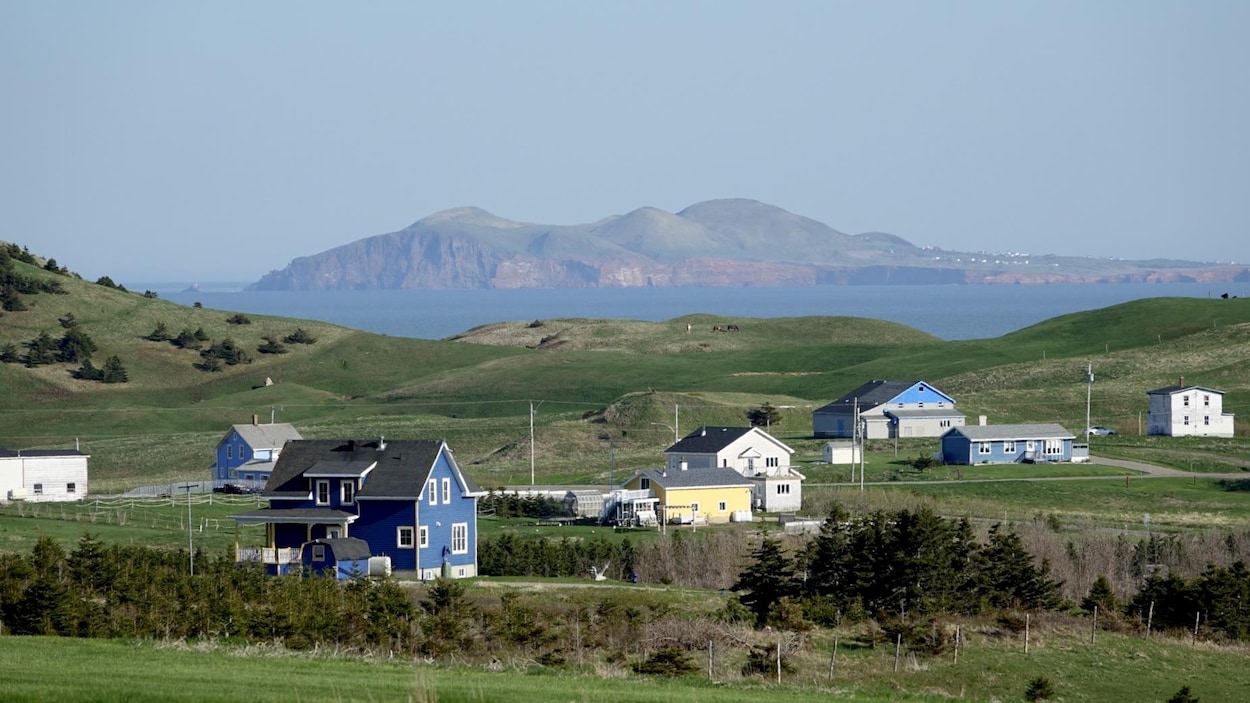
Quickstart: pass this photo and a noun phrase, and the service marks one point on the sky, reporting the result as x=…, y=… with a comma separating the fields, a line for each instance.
x=216, y=141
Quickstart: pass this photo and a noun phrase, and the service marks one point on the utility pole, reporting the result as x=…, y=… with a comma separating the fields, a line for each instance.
x=531, y=442
x=676, y=423
x=190, y=533
x=1089, y=392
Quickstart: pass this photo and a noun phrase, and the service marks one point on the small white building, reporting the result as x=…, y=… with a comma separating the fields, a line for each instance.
x=1188, y=410
x=840, y=453
x=43, y=475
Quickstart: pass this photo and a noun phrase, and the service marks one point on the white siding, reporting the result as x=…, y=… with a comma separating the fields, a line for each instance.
x=53, y=474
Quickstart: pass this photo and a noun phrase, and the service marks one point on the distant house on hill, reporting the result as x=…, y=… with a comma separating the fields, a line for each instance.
x=1006, y=444
x=406, y=499
x=751, y=452
x=1184, y=410
x=889, y=409
x=248, y=452
x=43, y=475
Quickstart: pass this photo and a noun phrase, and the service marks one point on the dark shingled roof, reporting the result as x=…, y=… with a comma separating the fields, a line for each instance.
x=400, y=470
x=1168, y=390
x=870, y=395
x=707, y=440
x=696, y=478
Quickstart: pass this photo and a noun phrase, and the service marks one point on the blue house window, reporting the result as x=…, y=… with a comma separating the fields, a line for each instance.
x=460, y=538
x=347, y=492
x=319, y=552
x=229, y=452
x=403, y=537
x=446, y=490
x=1009, y=447
x=983, y=447
x=323, y=492
x=423, y=537
x=433, y=488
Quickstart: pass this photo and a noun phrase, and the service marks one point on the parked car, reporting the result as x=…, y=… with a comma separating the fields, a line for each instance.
x=235, y=489
x=1101, y=431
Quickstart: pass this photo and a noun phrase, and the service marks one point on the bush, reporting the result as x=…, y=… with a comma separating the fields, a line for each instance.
x=239, y=319
x=1039, y=689
x=299, y=336
x=667, y=661
x=762, y=661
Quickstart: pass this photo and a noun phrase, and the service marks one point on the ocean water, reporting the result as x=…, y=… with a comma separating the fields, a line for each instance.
x=947, y=311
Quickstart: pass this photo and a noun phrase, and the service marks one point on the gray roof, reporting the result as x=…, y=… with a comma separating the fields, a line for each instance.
x=9, y=453
x=271, y=436
x=1048, y=430
x=346, y=548
x=1169, y=390
x=400, y=467
x=696, y=478
x=295, y=515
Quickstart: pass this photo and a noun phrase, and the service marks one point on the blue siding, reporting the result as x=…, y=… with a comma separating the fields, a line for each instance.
x=379, y=524
x=240, y=454
x=439, y=519
x=958, y=449
x=928, y=395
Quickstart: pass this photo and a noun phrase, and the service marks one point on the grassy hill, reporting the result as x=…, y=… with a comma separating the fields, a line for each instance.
x=603, y=390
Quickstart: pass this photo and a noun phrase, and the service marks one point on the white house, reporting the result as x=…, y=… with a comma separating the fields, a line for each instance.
x=40, y=475
x=752, y=453
x=1183, y=410
x=889, y=409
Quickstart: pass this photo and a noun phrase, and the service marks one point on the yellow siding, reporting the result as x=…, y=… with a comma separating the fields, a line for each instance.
x=736, y=498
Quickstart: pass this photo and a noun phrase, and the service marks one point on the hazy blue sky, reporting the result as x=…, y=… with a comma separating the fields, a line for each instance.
x=156, y=141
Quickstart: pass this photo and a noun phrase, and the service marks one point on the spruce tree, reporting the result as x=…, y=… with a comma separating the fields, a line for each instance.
x=114, y=372
x=769, y=578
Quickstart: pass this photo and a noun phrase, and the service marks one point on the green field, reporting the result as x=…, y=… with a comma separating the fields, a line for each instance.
x=993, y=666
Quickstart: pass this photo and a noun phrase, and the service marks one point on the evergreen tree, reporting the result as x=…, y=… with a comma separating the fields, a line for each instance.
x=8, y=353
x=1039, y=689
x=200, y=335
x=271, y=346
x=41, y=350
x=765, y=415
x=1101, y=595
x=75, y=346
x=88, y=372
x=114, y=371
x=186, y=339
x=769, y=578
x=159, y=334
x=67, y=320
x=1183, y=696
x=10, y=300
x=1008, y=578
x=299, y=336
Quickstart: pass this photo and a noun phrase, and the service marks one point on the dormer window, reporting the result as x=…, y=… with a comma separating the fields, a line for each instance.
x=322, y=493
x=347, y=492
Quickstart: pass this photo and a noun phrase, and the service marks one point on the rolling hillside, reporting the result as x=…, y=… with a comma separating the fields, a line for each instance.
x=596, y=385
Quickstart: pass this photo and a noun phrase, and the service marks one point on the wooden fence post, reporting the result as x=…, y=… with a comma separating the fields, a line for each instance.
x=1026, y=633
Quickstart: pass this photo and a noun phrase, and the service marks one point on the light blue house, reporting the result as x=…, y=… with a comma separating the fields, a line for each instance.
x=1007, y=444
x=888, y=409
x=407, y=499
x=247, y=453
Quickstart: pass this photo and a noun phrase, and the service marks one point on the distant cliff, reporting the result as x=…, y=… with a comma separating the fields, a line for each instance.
x=714, y=243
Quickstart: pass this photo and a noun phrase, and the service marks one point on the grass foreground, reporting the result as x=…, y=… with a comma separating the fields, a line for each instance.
x=994, y=666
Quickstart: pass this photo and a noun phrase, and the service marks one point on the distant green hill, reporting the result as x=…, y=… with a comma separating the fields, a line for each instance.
x=598, y=386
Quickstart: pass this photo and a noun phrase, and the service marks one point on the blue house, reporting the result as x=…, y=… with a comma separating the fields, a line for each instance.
x=887, y=410
x=407, y=500
x=1006, y=444
x=247, y=453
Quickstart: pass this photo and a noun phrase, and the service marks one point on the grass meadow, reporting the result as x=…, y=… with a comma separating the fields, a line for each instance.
x=992, y=665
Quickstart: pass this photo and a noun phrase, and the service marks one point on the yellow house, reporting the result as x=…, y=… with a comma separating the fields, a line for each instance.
x=697, y=495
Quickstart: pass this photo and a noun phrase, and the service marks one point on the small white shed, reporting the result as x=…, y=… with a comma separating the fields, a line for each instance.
x=840, y=453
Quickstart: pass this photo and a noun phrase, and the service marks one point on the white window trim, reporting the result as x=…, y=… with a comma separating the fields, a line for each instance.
x=983, y=448
x=432, y=486
x=399, y=537
x=423, y=536
x=347, y=492
x=320, y=484
x=446, y=491
x=460, y=532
